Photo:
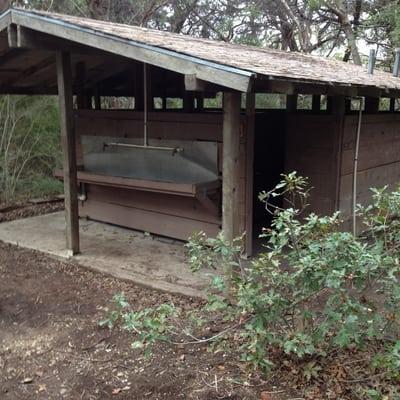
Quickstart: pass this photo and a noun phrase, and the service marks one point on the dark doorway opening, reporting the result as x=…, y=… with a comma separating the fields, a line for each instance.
x=269, y=164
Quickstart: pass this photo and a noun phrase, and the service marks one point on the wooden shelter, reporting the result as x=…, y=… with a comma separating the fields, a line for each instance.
x=175, y=161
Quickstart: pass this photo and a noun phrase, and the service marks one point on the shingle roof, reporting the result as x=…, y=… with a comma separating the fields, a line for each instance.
x=247, y=61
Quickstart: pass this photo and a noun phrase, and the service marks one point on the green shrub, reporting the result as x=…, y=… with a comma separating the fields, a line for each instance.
x=314, y=290
x=29, y=142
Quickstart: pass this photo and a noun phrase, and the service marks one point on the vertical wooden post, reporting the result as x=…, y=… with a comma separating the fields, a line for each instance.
x=316, y=103
x=338, y=107
x=97, y=98
x=249, y=187
x=291, y=102
x=64, y=79
x=392, y=107
x=371, y=105
x=230, y=165
x=139, y=98
x=188, y=101
x=200, y=102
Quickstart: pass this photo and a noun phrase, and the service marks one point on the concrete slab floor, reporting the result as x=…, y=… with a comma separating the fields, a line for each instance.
x=123, y=253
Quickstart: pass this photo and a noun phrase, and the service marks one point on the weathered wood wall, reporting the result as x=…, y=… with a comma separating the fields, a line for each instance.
x=160, y=213
x=312, y=150
x=161, y=125
x=378, y=161
x=322, y=147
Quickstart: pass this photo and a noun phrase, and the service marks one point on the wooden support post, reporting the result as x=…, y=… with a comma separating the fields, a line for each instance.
x=372, y=105
x=291, y=102
x=392, y=106
x=347, y=105
x=338, y=107
x=97, y=99
x=150, y=96
x=329, y=104
x=138, y=78
x=249, y=187
x=82, y=103
x=230, y=165
x=188, y=101
x=200, y=102
x=316, y=103
x=64, y=79
x=12, y=32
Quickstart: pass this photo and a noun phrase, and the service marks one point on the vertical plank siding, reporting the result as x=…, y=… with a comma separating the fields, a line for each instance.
x=311, y=150
x=379, y=157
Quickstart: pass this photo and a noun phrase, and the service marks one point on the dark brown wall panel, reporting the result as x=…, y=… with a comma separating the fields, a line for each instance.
x=378, y=161
x=311, y=150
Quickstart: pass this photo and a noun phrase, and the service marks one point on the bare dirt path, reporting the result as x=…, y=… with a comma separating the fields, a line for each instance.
x=52, y=348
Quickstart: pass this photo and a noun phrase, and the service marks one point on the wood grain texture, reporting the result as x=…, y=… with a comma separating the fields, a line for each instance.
x=231, y=215
x=144, y=44
x=64, y=77
x=155, y=222
x=378, y=161
x=161, y=125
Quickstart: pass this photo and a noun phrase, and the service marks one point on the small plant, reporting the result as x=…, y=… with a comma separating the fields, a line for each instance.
x=150, y=325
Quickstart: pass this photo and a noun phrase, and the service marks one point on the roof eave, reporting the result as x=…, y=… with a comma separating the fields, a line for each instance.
x=5, y=19
x=232, y=78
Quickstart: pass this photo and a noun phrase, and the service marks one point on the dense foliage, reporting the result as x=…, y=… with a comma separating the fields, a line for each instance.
x=314, y=290
x=328, y=27
x=29, y=146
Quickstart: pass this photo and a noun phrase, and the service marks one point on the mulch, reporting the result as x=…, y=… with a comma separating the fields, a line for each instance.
x=51, y=345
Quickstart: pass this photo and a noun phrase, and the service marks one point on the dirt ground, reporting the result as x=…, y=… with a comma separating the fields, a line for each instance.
x=25, y=210
x=51, y=346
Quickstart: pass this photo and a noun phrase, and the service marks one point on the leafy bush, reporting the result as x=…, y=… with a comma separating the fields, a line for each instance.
x=29, y=142
x=150, y=324
x=314, y=290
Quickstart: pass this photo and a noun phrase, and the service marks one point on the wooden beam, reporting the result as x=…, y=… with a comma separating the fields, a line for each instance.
x=30, y=39
x=249, y=187
x=193, y=84
x=43, y=64
x=271, y=84
x=12, y=36
x=230, y=165
x=64, y=79
x=5, y=20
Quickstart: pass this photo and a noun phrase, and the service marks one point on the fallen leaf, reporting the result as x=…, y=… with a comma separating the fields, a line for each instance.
x=42, y=388
x=116, y=391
